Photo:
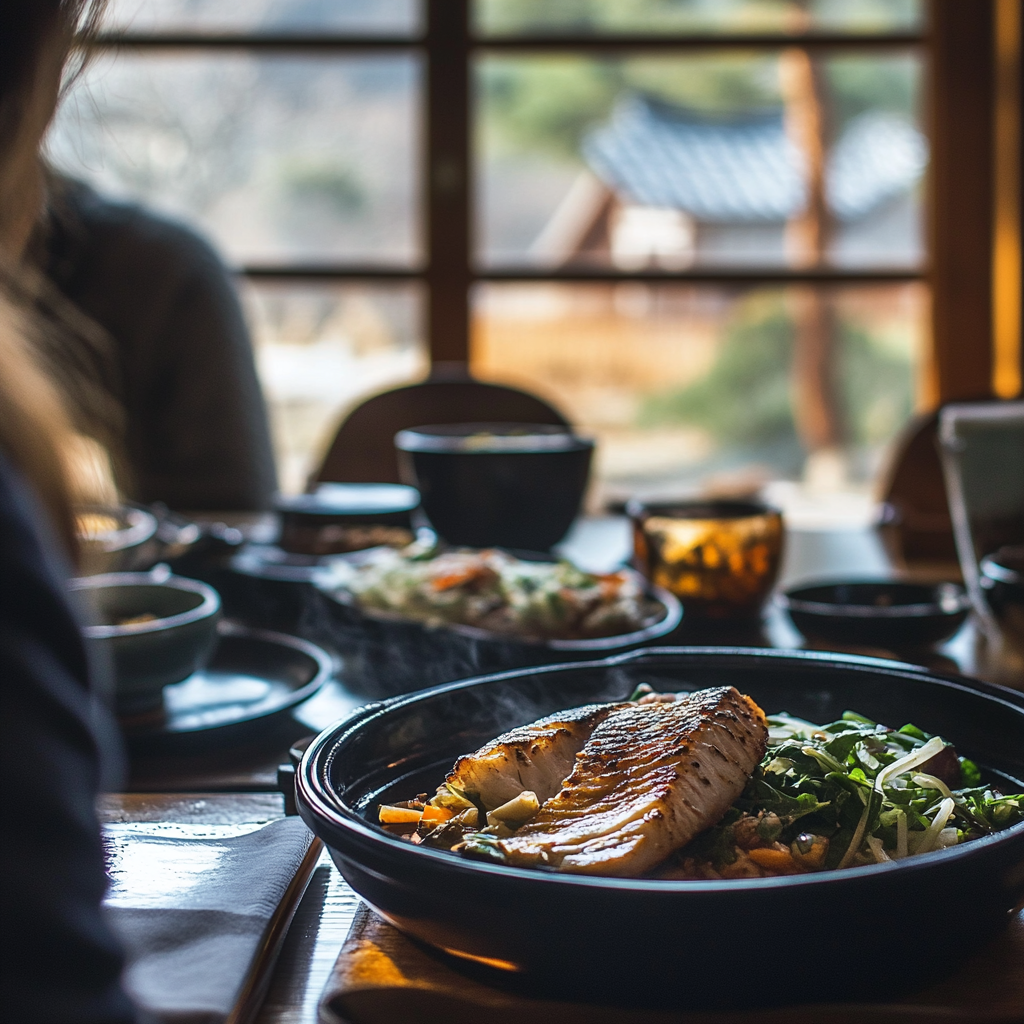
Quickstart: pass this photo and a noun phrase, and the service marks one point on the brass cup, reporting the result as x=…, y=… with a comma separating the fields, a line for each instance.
x=720, y=558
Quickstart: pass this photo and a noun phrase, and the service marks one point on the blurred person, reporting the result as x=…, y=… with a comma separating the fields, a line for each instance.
x=61, y=963
x=195, y=432
x=149, y=319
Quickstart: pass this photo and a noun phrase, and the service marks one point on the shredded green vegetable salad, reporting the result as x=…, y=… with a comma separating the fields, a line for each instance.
x=844, y=794
x=493, y=590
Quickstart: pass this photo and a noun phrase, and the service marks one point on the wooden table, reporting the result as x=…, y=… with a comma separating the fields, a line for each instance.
x=239, y=785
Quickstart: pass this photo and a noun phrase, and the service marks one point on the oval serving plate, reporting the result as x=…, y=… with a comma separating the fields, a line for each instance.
x=865, y=932
x=386, y=653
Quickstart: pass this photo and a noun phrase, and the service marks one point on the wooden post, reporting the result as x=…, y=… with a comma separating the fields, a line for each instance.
x=961, y=199
x=816, y=407
x=1006, y=256
x=449, y=184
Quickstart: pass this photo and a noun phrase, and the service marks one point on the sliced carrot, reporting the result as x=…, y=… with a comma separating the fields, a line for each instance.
x=610, y=583
x=435, y=815
x=396, y=815
x=455, y=579
x=780, y=861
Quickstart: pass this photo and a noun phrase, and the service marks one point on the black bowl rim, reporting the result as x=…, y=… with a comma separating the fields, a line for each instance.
x=141, y=526
x=208, y=607
x=790, y=601
x=451, y=438
x=316, y=503
x=992, y=568
x=271, y=562
x=670, y=604
x=320, y=805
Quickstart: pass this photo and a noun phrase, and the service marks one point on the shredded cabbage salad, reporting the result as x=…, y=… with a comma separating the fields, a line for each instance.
x=493, y=590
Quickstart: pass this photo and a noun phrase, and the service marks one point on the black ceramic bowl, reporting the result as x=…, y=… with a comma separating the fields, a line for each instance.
x=150, y=654
x=346, y=517
x=864, y=932
x=388, y=654
x=877, y=613
x=1002, y=583
x=117, y=538
x=511, y=485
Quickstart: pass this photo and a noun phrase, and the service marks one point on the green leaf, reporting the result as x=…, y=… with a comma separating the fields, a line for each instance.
x=969, y=772
x=912, y=730
x=852, y=716
x=841, y=746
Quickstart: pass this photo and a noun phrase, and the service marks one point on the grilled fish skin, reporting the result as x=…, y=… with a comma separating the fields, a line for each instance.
x=537, y=757
x=649, y=778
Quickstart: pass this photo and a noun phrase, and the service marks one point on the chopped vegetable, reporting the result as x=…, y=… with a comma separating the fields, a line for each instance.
x=845, y=794
x=399, y=815
x=515, y=812
x=779, y=862
x=435, y=815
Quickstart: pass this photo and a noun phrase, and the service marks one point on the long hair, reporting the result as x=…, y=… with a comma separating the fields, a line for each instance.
x=41, y=41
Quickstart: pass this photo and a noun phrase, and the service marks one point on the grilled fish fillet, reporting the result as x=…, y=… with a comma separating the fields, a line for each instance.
x=537, y=757
x=649, y=778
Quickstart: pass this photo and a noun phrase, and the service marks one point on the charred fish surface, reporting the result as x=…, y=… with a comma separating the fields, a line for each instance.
x=535, y=757
x=648, y=779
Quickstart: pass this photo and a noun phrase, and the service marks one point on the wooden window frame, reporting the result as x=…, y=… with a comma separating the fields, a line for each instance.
x=958, y=44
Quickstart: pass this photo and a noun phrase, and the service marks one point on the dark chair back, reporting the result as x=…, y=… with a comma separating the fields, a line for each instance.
x=363, y=450
x=916, y=527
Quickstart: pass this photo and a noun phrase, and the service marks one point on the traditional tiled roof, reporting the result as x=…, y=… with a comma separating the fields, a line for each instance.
x=746, y=170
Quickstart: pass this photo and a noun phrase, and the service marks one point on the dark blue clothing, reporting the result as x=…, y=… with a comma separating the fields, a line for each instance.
x=61, y=963
x=196, y=433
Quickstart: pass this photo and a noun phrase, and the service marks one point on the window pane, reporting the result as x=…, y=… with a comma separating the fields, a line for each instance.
x=690, y=386
x=699, y=159
x=651, y=16
x=392, y=17
x=278, y=158
x=322, y=347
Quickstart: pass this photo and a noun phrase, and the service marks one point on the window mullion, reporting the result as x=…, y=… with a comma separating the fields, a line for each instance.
x=449, y=180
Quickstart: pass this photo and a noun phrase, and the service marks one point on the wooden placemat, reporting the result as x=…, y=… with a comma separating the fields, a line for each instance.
x=382, y=977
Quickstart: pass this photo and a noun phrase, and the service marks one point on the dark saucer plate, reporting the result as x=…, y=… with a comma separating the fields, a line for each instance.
x=270, y=562
x=894, y=614
x=387, y=654
x=253, y=675
x=864, y=933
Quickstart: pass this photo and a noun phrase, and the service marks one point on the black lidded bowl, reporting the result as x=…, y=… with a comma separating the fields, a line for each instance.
x=864, y=933
x=511, y=485
x=387, y=654
x=878, y=613
x=338, y=517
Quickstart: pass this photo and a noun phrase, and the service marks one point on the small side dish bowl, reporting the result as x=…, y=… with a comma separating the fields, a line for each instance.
x=1002, y=583
x=156, y=630
x=720, y=558
x=892, y=614
x=508, y=485
x=114, y=538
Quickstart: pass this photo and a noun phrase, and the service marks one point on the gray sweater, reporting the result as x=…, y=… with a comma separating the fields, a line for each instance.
x=196, y=435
